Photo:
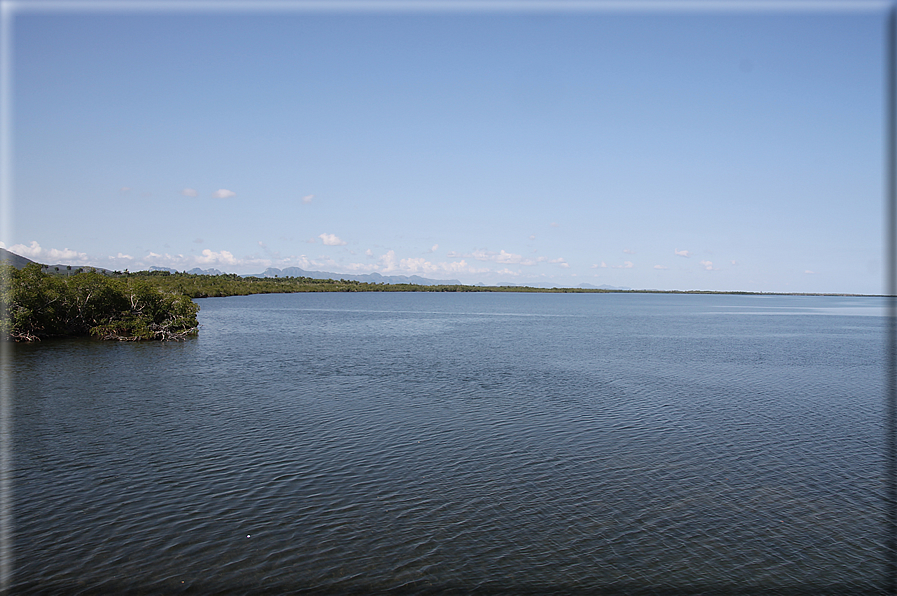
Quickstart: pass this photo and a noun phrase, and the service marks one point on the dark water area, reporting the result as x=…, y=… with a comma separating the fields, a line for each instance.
x=485, y=443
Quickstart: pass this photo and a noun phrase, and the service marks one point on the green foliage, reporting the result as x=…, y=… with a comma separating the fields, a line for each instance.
x=207, y=286
x=158, y=305
x=37, y=305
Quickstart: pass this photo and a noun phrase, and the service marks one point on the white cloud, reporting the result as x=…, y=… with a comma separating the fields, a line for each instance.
x=733, y=262
x=32, y=251
x=506, y=257
x=532, y=236
x=355, y=267
x=35, y=252
x=554, y=224
x=121, y=256
x=424, y=266
x=307, y=199
x=660, y=267
x=325, y=262
x=223, y=193
x=682, y=253
x=331, y=240
x=301, y=261
x=628, y=251
x=389, y=263
x=560, y=261
x=708, y=265
x=220, y=258
x=417, y=265
x=434, y=248
x=191, y=192
x=808, y=271
x=625, y=265
x=503, y=257
x=178, y=262
x=369, y=252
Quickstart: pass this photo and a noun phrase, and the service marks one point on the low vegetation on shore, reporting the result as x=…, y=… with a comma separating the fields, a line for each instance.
x=151, y=304
x=231, y=284
x=158, y=304
x=207, y=286
x=37, y=305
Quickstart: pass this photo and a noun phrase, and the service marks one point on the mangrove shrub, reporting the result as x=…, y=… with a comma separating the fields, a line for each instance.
x=38, y=305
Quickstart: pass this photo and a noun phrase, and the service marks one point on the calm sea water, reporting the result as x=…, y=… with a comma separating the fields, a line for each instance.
x=423, y=443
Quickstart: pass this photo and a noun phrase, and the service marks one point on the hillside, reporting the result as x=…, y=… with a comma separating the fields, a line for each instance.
x=13, y=259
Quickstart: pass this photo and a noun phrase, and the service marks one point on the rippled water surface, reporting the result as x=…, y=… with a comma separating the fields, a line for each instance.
x=459, y=442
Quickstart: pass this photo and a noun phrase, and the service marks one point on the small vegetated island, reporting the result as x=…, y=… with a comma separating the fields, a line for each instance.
x=158, y=305
x=38, y=305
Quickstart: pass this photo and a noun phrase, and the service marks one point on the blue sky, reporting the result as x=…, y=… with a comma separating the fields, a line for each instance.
x=675, y=149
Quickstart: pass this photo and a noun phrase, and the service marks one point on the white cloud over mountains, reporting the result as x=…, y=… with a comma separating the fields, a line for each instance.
x=389, y=263
x=506, y=258
x=479, y=264
x=217, y=258
x=36, y=252
x=226, y=260
x=208, y=259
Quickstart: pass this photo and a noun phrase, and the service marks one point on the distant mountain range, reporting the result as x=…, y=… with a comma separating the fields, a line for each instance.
x=194, y=271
